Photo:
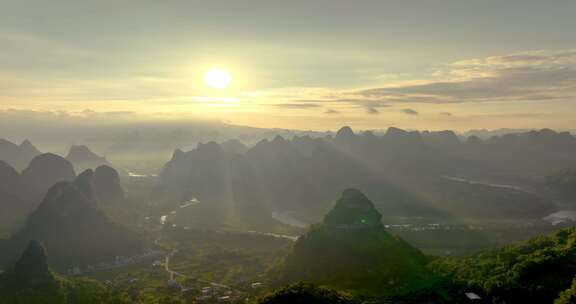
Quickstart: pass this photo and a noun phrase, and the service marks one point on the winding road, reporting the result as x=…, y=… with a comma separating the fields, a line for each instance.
x=172, y=273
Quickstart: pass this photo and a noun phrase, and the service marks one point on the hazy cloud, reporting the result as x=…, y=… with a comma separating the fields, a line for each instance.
x=297, y=105
x=519, y=77
x=372, y=110
x=409, y=111
x=80, y=116
x=541, y=75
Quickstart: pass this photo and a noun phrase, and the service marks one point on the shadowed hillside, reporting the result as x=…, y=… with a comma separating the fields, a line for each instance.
x=73, y=229
x=351, y=249
x=407, y=174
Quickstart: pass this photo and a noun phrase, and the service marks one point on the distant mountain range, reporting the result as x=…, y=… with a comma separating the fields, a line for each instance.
x=82, y=158
x=486, y=133
x=18, y=156
x=407, y=173
x=26, y=174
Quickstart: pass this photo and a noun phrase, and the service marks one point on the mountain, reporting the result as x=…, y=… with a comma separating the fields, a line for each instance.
x=85, y=184
x=234, y=146
x=17, y=156
x=442, y=139
x=12, y=192
x=8, y=150
x=222, y=182
x=531, y=153
x=21, y=193
x=299, y=176
x=82, y=158
x=101, y=186
x=30, y=281
x=540, y=270
x=563, y=182
x=43, y=172
x=74, y=231
x=351, y=249
x=409, y=174
x=10, y=182
x=485, y=133
x=26, y=152
x=106, y=185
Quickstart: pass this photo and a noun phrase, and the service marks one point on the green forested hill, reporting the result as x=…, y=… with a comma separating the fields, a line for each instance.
x=30, y=281
x=351, y=250
x=535, y=271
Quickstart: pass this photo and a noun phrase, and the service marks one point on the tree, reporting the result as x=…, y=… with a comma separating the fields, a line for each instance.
x=568, y=296
x=302, y=293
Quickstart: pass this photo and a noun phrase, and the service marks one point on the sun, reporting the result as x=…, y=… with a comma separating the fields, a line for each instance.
x=217, y=78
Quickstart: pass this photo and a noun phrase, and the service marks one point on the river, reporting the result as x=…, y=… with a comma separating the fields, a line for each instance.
x=475, y=182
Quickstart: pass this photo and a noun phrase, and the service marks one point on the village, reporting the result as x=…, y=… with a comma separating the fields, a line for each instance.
x=147, y=255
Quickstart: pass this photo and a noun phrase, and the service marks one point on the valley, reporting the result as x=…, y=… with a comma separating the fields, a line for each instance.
x=226, y=223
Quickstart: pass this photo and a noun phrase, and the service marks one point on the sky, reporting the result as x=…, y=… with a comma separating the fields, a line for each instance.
x=419, y=64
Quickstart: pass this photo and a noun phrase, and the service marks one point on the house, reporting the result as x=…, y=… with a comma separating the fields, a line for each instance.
x=472, y=296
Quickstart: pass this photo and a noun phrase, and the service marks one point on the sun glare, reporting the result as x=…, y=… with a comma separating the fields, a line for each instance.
x=217, y=79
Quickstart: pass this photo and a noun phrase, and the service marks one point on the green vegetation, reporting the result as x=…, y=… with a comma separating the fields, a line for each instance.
x=568, y=296
x=358, y=260
x=226, y=257
x=460, y=239
x=531, y=272
x=352, y=251
x=201, y=258
x=365, y=265
x=30, y=281
x=350, y=254
x=301, y=293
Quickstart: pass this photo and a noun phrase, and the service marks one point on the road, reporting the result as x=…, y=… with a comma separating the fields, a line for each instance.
x=171, y=272
x=270, y=234
x=174, y=274
x=158, y=241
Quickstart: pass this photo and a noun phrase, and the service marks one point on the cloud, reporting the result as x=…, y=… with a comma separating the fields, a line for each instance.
x=43, y=115
x=409, y=112
x=332, y=98
x=119, y=113
x=528, y=76
x=296, y=105
x=372, y=110
x=518, y=77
